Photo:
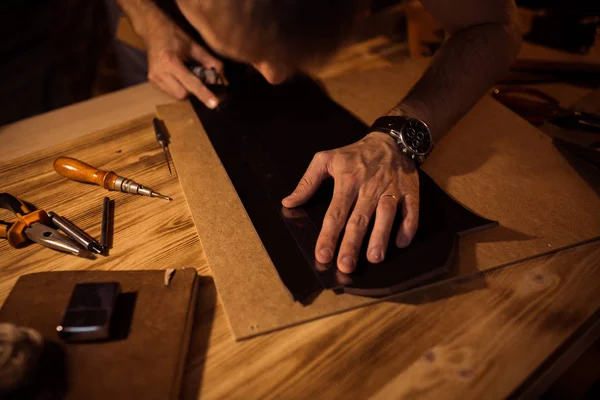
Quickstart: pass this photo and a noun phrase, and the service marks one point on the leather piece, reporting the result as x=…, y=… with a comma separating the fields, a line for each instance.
x=145, y=362
x=266, y=136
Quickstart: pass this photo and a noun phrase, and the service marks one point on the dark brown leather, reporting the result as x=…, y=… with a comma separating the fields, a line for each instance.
x=146, y=359
x=266, y=136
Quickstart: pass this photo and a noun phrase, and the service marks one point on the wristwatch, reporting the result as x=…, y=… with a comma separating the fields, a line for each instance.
x=412, y=135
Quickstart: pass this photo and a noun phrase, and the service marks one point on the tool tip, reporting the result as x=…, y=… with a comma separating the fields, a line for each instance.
x=85, y=254
x=160, y=196
x=95, y=248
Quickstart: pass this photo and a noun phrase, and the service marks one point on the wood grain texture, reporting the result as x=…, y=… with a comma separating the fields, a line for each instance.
x=507, y=321
x=149, y=233
x=60, y=126
x=479, y=337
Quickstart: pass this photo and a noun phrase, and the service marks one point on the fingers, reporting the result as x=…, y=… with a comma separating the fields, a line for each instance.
x=170, y=85
x=356, y=228
x=314, y=175
x=200, y=54
x=380, y=236
x=410, y=220
x=334, y=221
x=192, y=83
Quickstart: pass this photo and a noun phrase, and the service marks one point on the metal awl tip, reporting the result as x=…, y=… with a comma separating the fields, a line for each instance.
x=154, y=194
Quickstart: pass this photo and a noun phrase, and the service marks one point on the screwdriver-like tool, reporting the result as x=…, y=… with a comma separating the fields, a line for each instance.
x=82, y=172
x=75, y=233
x=163, y=140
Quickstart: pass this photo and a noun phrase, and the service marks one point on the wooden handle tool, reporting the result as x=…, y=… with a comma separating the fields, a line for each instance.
x=79, y=171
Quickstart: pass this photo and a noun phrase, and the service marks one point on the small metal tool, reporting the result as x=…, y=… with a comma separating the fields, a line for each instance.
x=82, y=172
x=75, y=233
x=106, y=224
x=52, y=239
x=162, y=139
x=208, y=76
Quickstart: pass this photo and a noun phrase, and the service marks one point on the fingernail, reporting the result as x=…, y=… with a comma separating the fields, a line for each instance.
x=212, y=103
x=376, y=254
x=288, y=199
x=326, y=255
x=291, y=196
x=347, y=262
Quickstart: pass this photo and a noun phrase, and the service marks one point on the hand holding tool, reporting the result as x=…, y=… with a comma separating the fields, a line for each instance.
x=34, y=226
x=208, y=76
x=82, y=172
x=162, y=138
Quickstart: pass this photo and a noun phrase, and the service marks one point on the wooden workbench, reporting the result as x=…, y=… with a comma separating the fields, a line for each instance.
x=483, y=336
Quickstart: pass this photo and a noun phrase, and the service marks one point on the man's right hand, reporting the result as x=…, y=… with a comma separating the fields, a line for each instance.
x=168, y=46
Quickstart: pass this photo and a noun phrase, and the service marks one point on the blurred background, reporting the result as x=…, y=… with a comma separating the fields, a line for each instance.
x=57, y=52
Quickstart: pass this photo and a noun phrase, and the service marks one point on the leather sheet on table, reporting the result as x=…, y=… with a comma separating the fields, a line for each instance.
x=265, y=137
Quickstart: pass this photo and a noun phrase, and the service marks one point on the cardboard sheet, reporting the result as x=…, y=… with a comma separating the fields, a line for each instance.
x=493, y=162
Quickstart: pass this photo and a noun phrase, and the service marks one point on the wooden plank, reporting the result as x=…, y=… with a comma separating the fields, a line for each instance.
x=353, y=354
x=478, y=337
x=60, y=126
x=149, y=233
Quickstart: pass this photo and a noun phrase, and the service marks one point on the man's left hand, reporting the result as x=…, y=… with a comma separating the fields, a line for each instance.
x=374, y=176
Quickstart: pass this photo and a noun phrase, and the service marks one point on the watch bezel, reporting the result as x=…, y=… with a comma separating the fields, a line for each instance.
x=401, y=137
x=395, y=127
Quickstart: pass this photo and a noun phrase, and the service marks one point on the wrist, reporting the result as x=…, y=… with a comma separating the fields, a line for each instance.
x=411, y=136
x=413, y=110
x=383, y=138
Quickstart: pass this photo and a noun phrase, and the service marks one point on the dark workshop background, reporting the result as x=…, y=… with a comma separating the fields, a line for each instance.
x=57, y=52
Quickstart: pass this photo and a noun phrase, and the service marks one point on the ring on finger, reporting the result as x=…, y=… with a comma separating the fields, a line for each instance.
x=388, y=195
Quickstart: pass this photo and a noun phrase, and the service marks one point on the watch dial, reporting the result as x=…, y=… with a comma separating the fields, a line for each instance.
x=417, y=137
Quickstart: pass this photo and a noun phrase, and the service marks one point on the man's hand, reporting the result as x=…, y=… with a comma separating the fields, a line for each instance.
x=375, y=177
x=168, y=46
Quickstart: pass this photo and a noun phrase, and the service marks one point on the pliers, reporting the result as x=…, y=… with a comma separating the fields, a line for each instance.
x=34, y=226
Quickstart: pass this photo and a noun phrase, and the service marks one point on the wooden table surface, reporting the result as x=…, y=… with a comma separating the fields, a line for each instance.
x=478, y=337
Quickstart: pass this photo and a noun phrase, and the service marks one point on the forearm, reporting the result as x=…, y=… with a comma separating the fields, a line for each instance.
x=144, y=15
x=462, y=71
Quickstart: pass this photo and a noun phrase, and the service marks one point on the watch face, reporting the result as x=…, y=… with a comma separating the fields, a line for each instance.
x=417, y=137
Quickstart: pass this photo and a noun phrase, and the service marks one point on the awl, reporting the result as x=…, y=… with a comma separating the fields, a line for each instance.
x=162, y=139
x=82, y=172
